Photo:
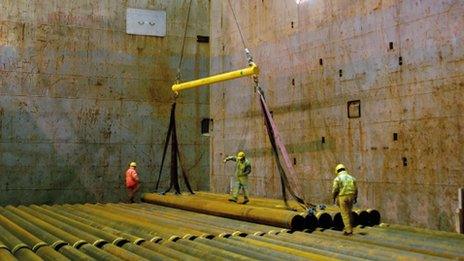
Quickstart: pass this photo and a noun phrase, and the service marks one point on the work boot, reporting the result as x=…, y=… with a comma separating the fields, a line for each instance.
x=246, y=200
x=233, y=200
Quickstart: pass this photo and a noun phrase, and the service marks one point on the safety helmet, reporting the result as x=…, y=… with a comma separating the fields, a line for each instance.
x=241, y=155
x=133, y=164
x=339, y=168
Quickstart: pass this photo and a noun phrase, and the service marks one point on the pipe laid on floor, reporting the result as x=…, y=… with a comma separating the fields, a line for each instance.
x=141, y=224
x=221, y=222
x=18, y=248
x=259, y=241
x=41, y=248
x=324, y=219
x=205, y=246
x=58, y=244
x=373, y=241
x=136, y=239
x=114, y=239
x=76, y=242
x=5, y=253
x=51, y=218
x=346, y=246
x=363, y=217
x=158, y=218
x=273, y=217
x=103, y=219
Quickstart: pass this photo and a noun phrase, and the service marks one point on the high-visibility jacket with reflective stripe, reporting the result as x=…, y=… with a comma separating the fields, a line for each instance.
x=243, y=168
x=344, y=184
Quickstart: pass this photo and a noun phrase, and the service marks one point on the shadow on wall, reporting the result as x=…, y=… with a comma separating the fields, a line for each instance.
x=47, y=158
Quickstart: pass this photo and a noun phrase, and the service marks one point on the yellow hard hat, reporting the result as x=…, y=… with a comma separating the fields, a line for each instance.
x=241, y=155
x=339, y=167
x=133, y=164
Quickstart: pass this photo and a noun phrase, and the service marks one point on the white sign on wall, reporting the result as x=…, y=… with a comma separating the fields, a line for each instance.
x=146, y=22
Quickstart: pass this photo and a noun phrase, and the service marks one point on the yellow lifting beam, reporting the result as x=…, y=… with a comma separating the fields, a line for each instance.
x=252, y=69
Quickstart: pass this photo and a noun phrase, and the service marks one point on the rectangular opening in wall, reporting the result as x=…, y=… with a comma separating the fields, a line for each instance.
x=395, y=136
x=340, y=73
x=354, y=109
x=294, y=161
x=321, y=62
x=202, y=39
x=400, y=60
x=323, y=140
x=405, y=161
x=205, y=126
x=390, y=45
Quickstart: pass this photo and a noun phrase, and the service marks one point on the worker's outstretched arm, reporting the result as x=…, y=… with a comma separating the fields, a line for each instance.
x=232, y=158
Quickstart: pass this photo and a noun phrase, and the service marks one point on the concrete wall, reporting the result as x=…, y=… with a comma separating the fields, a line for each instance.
x=80, y=99
x=412, y=180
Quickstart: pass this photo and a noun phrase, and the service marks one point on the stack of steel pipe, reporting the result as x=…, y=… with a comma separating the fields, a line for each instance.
x=328, y=218
x=262, y=215
x=155, y=232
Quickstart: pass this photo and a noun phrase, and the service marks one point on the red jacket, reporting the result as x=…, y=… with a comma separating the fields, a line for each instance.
x=132, y=179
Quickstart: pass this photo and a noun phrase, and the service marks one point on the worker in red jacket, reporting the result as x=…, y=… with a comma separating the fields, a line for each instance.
x=132, y=181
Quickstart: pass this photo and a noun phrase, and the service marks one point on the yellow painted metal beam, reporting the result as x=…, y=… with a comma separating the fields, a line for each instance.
x=249, y=71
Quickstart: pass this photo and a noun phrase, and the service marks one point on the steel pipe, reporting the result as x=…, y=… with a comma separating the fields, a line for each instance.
x=206, y=246
x=274, y=217
x=5, y=253
x=135, y=251
x=310, y=221
x=16, y=246
x=181, y=247
x=384, y=247
x=324, y=219
x=160, y=218
x=41, y=248
x=363, y=217
x=258, y=252
x=124, y=226
x=287, y=240
x=145, y=224
x=221, y=222
x=277, y=246
x=335, y=242
x=422, y=243
x=249, y=71
x=255, y=201
x=57, y=244
x=76, y=242
x=374, y=217
x=81, y=231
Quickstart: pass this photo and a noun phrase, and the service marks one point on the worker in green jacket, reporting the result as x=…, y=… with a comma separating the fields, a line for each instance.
x=242, y=170
x=345, y=193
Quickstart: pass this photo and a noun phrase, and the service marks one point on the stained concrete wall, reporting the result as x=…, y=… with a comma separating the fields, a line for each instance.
x=301, y=47
x=80, y=98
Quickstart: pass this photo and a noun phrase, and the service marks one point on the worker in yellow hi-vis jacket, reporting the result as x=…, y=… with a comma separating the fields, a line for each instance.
x=345, y=193
x=242, y=170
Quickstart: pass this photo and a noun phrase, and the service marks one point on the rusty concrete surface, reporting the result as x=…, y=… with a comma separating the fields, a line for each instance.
x=79, y=98
x=404, y=61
